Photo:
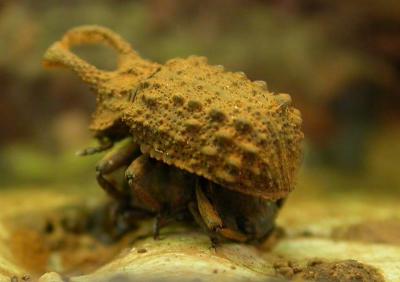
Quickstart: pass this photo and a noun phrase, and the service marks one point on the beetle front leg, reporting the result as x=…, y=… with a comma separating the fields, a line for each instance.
x=121, y=155
x=105, y=144
x=212, y=219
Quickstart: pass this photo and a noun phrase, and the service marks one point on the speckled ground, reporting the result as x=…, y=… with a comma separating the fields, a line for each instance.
x=339, y=231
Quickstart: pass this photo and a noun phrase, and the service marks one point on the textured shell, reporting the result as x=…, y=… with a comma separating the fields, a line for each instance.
x=219, y=125
x=111, y=92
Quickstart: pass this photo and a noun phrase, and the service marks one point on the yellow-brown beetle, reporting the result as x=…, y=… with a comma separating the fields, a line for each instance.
x=228, y=148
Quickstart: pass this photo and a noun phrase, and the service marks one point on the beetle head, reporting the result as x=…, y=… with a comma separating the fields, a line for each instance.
x=111, y=87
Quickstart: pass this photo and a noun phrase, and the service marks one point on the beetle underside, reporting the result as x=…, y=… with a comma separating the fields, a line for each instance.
x=152, y=188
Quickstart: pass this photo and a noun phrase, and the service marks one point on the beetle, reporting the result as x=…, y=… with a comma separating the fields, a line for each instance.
x=230, y=148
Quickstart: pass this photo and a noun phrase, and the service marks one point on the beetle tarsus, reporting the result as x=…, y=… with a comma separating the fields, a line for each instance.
x=103, y=146
x=156, y=227
x=215, y=242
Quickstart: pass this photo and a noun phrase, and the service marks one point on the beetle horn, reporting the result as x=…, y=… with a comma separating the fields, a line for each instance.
x=59, y=54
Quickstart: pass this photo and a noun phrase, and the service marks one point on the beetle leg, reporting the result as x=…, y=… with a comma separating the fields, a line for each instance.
x=121, y=155
x=213, y=221
x=199, y=220
x=158, y=188
x=134, y=174
x=232, y=234
x=105, y=144
x=159, y=222
x=128, y=218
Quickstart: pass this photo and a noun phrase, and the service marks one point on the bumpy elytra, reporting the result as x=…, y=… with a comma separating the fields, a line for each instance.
x=209, y=123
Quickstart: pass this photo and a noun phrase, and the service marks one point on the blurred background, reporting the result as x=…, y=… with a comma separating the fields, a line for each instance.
x=340, y=61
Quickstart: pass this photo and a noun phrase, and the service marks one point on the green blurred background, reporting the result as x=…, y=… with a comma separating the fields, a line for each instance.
x=340, y=61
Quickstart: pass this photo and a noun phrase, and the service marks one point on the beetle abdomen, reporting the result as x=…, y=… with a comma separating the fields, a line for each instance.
x=218, y=125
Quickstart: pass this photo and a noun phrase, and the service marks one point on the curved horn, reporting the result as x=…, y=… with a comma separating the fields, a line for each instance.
x=59, y=54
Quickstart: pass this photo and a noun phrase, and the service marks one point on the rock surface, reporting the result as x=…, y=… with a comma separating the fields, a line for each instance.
x=315, y=240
